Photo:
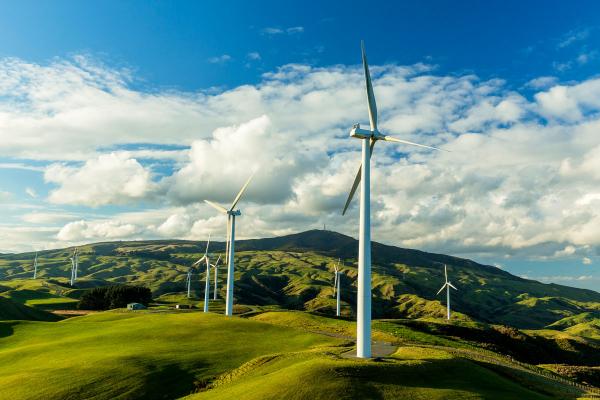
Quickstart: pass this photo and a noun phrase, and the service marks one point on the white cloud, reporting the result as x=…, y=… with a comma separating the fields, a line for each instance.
x=543, y=82
x=586, y=261
x=46, y=217
x=5, y=196
x=108, y=179
x=222, y=59
x=254, y=55
x=280, y=31
x=521, y=180
x=31, y=192
x=574, y=36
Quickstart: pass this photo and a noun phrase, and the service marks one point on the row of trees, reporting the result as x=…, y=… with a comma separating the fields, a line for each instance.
x=109, y=297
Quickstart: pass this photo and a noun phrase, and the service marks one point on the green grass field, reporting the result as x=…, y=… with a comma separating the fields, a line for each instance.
x=273, y=355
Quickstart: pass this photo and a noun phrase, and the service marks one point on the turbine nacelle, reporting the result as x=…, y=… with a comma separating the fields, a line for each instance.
x=359, y=133
x=234, y=212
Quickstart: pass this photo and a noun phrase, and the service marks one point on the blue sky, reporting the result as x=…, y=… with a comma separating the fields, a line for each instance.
x=118, y=118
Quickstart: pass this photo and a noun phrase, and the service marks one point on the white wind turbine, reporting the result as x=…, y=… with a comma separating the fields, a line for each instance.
x=336, y=288
x=231, y=214
x=369, y=137
x=188, y=282
x=207, y=283
x=447, y=285
x=35, y=265
x=74, y=266
x=215, y=266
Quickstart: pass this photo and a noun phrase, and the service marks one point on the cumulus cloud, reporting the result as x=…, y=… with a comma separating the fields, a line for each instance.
x=222, y=59
x=586, y=261
x=521, y=178
x=108, y=179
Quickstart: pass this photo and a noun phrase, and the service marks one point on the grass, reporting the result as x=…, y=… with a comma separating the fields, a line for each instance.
x=118, y=355
x=318, y=376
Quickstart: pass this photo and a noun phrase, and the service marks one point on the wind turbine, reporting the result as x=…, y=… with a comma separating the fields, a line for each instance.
x=215, y=265
x=231, y=214
x=336, y=288
x=188, y=282
x=207, y=283
x=447, y=285
x=74, y=265
x=369, y=137
x=35, y=266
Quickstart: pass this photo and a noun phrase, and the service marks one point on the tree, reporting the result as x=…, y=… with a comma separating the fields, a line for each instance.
x=117, y=296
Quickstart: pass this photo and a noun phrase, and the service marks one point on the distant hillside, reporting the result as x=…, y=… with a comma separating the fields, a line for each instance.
x=295, y=271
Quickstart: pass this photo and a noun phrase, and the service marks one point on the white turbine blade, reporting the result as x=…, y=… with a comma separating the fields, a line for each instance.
x=446, y=272
x=440, y=291
x=207, y=243
x=199, y=261
x=356, y=181
x=393, y=139
x=370, y=95
x=452, y=286
x=215, y=205
x=218, y=259
x=239, y=195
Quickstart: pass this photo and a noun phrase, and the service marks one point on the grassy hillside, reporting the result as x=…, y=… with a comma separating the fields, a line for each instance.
x=157, y=355
x=11, y=310
x=296, y=272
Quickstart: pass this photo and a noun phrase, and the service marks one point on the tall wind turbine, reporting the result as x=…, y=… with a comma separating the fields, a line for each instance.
x=188, y=282
x=35, y=266
x=74, y=265
x=336, y=286
x=207, y=283
x=231, y=214
x=369, y=137
x=447, y=285
x=215, y=266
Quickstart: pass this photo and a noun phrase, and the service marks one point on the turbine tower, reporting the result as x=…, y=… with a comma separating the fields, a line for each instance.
x=35, y=265
x=215, y=266
x=231, y=214
x=188, y=282
x=336, y=288
x=74, y=265
x=447, y=285
x=207, y=283
x=369, y=137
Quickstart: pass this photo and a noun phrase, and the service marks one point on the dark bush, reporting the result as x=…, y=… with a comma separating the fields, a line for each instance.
x=109, y=297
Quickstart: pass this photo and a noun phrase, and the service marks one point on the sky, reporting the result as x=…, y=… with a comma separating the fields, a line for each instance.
x=117, y=119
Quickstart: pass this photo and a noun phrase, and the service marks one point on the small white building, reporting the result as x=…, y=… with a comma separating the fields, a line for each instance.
x=136, y=306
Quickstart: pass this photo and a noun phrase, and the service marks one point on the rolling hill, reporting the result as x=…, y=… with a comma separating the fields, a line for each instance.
x=295, y=272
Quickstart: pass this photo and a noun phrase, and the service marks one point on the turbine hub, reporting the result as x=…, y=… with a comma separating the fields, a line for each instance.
x=232, y=212
x=359, y=133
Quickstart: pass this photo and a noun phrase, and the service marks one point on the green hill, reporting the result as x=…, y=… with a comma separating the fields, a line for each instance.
x=11, y=310
x=158, y=355
x=295, y=272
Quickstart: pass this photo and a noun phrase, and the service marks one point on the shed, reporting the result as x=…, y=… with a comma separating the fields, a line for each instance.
x=136, y=306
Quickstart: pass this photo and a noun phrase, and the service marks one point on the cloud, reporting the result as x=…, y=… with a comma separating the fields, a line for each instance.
x=254, y=55
x=108, y=179
x=574, y=36
x=280, y=31
x=31, y=192
x=5, y=196
x=521, y=179
x=543, y=82
x=586, y=261
x=222, y=59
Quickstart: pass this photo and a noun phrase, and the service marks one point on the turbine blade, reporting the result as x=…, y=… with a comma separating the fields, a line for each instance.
x=393, y=139
x=356, y=181
x=218, y=207
x=207, y=243
x=239, y=195
x=218, y=259
x=440, y=291
x=446, y=273
x=199, y=261
x=370, y=95
x=452, y=286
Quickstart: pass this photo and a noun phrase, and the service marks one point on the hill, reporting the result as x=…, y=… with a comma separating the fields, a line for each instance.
x=295, y=272
x=11, y=310
x=106, y=356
